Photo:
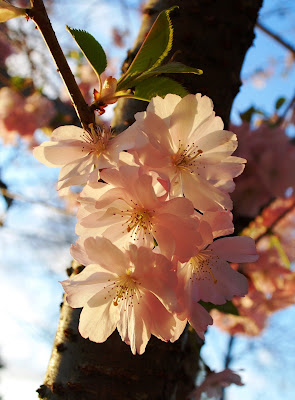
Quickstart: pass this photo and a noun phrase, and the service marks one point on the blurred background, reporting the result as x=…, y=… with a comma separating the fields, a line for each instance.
x=37, y=226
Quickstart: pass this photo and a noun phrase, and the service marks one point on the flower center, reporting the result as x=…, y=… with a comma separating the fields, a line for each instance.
x=186, y=156
x=125, y=289
x=201, y=266
x=139, y=220
x=97, y=139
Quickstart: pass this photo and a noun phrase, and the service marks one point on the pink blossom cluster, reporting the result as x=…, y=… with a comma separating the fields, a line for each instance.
x=152, y=214
x=23, y=115
x=270, y=167
x=271, y=288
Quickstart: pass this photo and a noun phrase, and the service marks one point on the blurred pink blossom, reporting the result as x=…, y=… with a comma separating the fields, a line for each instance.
x=270, y=168
x=23, y=115
x=214, y=383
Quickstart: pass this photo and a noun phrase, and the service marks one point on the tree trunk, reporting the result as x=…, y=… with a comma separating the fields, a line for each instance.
x=213, y=35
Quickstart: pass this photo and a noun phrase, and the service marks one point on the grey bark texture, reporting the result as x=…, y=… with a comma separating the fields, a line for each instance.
x=213, y=35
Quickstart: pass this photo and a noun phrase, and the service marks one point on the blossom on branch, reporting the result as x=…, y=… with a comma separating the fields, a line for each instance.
x=80, y=153
x=207, y=276
x=132, y=291
x=184, y=141
x=127, y=210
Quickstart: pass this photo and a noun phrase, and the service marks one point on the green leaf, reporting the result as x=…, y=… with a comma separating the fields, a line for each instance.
x=170, y=68
x=156, y=45
x=227, y=308
x=248, y=115
x=280, y=102
x=91, y=49
x=158, y=86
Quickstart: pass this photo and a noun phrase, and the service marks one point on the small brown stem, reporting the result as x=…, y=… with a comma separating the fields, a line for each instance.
x=276, y=37
x=39, y=15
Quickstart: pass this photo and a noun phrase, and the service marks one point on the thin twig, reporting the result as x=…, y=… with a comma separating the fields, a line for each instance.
x=276, y=37
x=39, y=15
x=273, y=225
x=228, y=360
x=19, y=197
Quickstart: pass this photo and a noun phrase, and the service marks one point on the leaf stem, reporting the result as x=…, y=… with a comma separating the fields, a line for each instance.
x=39, y=15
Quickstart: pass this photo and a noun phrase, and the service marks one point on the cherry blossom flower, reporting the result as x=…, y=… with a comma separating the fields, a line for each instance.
x=207, y=276
x=80, y=153
x=127, y=210
x=213, y=384
x=132, y=291
x=183, y=140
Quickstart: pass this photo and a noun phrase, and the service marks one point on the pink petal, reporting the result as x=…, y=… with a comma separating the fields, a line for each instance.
x=134, y=326
x=217, y=145
x=199, y=319
x=226, y=170
x=164, y=107
x=98, y=318
x=165, y=240
x=157, y=132
x=152, y=157
x=79, y=254
x=182, y=119
x=220, y=222
x=235, y=249
x=93, y=191
x=124, y=141
x=179, y=328
x=209, y=124
x=55, y=154
x=82, y=287
x=154, y=271
x=68, y=132
x=184, y=232
x=104, y=253
x=163, y=322
x=144, y=192
x=206, y=197
x=204, y=111
x=215, y=281
x=179, y=206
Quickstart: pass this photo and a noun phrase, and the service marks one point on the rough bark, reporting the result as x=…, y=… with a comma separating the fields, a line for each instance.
x=213, y=35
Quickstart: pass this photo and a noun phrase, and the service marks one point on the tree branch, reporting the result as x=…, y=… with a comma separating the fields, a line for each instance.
x=276, y=37
x=273, y=225
x=39, y=15
x=228, y=359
